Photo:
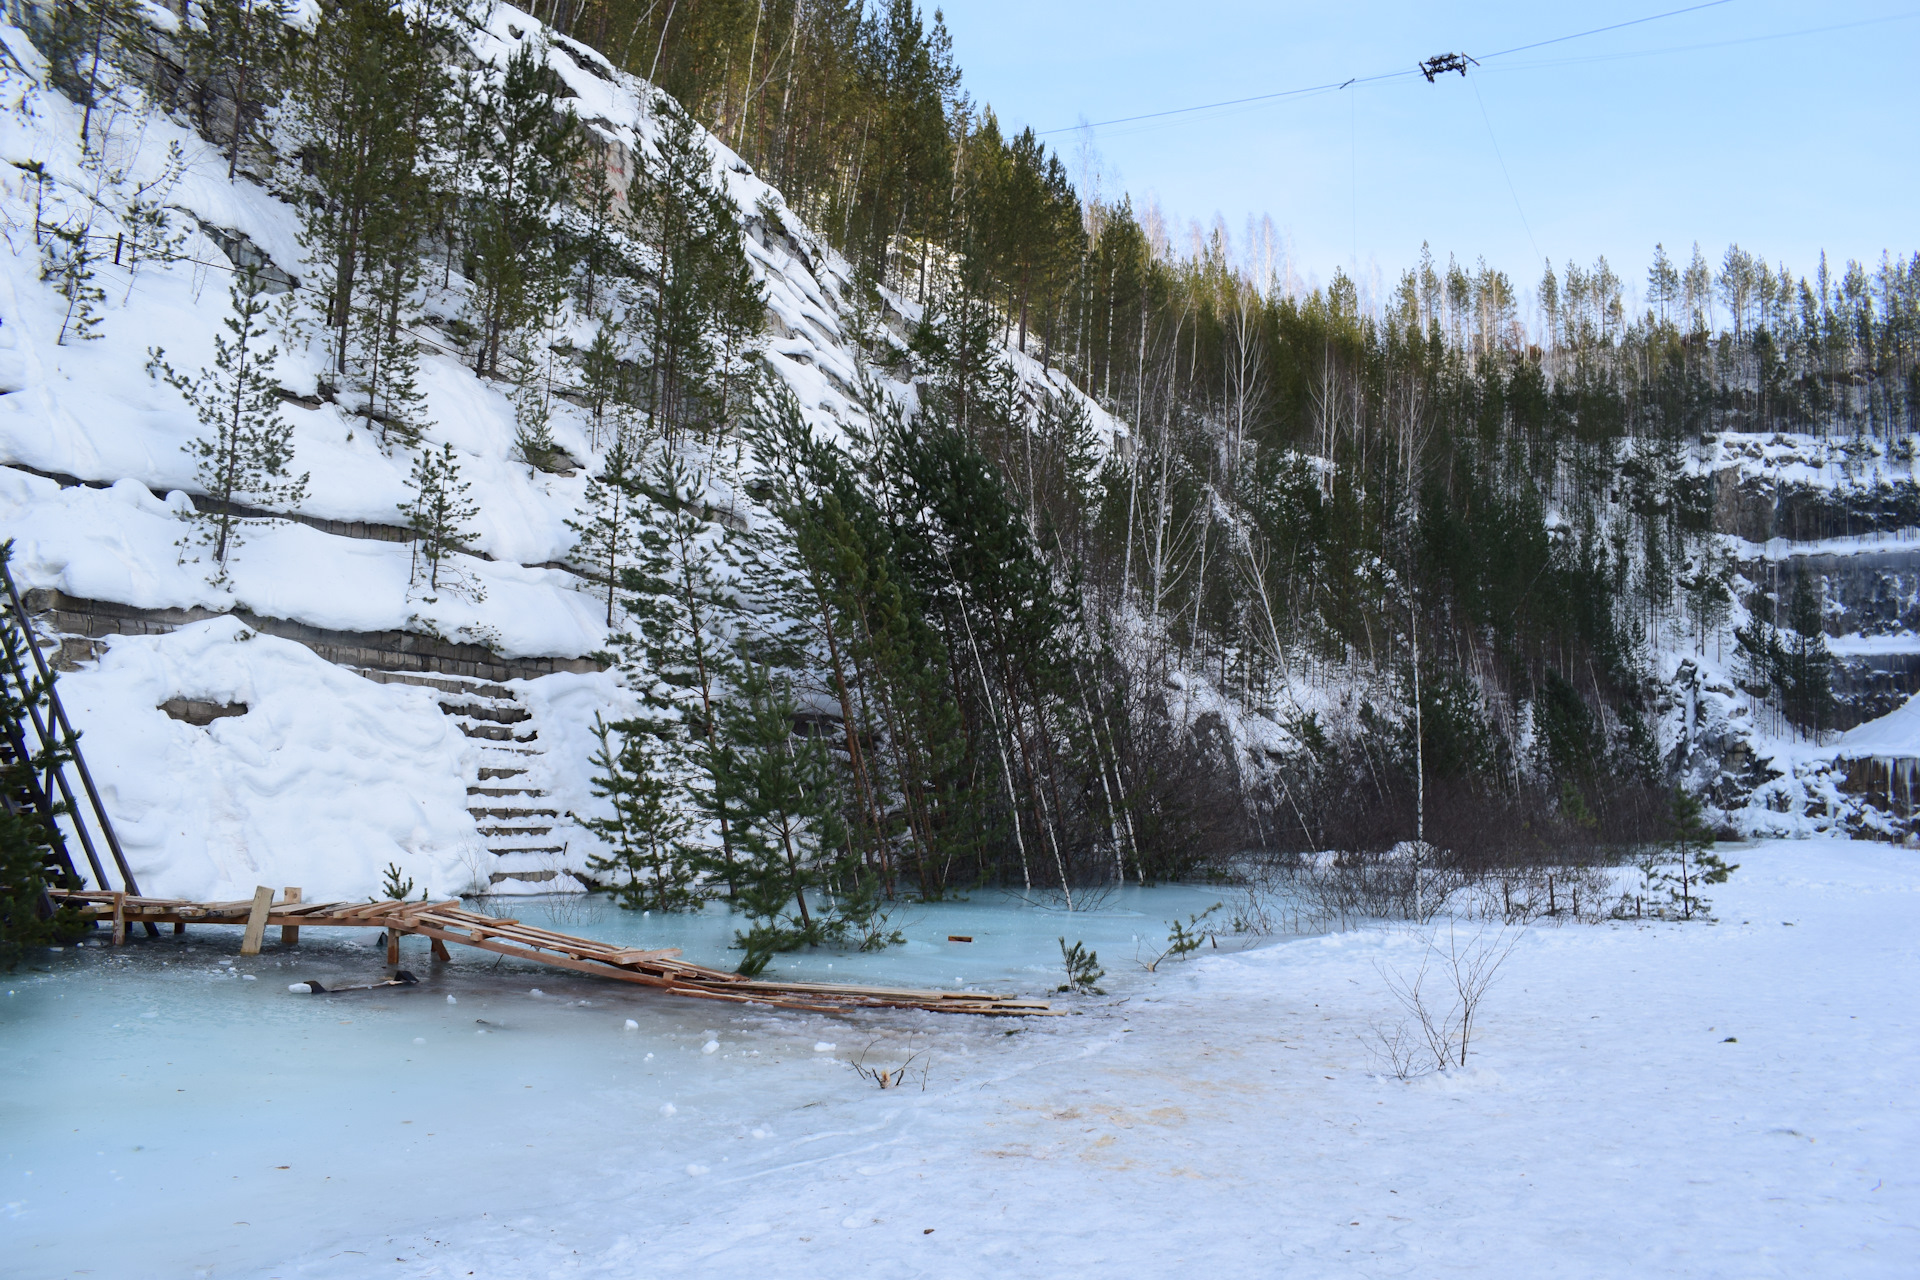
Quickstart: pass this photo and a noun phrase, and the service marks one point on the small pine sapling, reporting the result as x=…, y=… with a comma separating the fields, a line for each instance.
x=245, y=449
x=396, y=887
x=1690, y=861
x=533, y=440
x=1083, y=969
x=1184, y=939
x=438, y=513
x=150, y=234
x=68, y=263
x=605, y=537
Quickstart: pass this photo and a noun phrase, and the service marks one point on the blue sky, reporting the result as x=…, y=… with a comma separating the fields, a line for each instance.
x=1791, y=140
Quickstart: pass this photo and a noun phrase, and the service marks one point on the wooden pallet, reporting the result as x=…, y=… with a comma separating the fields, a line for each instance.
x=448, y=922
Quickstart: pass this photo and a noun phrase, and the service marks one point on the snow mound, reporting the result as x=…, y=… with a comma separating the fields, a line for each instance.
x=323, y=781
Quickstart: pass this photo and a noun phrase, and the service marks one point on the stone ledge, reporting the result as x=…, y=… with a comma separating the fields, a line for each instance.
x=80, y=621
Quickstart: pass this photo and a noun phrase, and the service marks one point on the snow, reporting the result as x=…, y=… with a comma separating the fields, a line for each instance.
x=1732, y=1099
x=1896, y=733
x=323, y=781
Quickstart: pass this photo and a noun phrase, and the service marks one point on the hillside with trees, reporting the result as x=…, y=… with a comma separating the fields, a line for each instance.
x=943, y=524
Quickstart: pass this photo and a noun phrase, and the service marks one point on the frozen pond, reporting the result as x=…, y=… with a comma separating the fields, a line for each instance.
x=1728, y=1099
x=221, y=1124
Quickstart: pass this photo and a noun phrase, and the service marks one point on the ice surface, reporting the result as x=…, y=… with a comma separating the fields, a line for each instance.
x=1223, y=1117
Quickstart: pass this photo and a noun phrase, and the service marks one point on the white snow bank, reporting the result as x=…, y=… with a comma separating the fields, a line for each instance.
x=1896, y=733
x=123, y=544
x=326, y=779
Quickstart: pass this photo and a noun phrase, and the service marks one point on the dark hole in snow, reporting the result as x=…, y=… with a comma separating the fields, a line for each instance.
x=194, y=711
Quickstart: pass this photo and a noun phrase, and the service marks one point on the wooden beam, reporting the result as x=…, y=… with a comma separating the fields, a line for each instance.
x=290, y=933
x=119, y=919
x=256, y=921
x=393, y=945
x=440, y=950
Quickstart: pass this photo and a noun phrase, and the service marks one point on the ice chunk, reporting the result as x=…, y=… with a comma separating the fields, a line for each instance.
x=695, y=1170
x=711, y=1046
x=419, y=1039
x=634, y=1026
x=300, y=988
x=667, y=1108
x=822, y=1046
x=451, y=1000
x=536, y=992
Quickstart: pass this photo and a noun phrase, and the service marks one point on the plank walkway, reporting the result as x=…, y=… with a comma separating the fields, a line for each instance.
x=445, y=922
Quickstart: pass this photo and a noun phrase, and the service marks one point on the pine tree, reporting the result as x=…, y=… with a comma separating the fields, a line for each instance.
x=606, y=539
x=648, y=830
x=786, y=801
x=529, y=146
x=682, y=590
x=705, y=302
x=438, y=513
x=367, y=97
x=245, y=450
x=68, y=262
x=1689, y=862
x=236, y=51
x=1807, y=684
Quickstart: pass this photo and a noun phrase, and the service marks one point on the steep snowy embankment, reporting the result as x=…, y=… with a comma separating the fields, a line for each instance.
x=96, y=482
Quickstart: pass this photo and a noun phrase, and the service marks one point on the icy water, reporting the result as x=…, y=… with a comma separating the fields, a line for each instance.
x=174, y=1110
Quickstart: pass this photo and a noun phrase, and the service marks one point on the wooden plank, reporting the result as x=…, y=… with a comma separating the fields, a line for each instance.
x=256, y=921
x=448, y=922
x=290, y=933
x=579, y=966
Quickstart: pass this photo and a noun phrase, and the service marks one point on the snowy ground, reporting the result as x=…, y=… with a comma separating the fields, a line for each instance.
x=1225, y=1117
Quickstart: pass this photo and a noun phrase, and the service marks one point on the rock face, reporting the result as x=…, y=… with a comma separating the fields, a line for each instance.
x=1840, y=514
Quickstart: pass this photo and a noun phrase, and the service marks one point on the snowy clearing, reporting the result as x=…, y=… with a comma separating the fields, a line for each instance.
x=1731, y=1099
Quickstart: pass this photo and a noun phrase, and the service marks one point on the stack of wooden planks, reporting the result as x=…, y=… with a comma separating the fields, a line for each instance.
x=449, y=922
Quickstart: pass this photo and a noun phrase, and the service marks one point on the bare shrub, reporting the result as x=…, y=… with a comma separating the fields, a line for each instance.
x=1442, y=997
x=887, y=1077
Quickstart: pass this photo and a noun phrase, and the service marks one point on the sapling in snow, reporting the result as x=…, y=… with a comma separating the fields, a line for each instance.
x=68, y=261
x=1184, y=939
x=1083, y=968
x=605, y=537
x=396, y=885
x=245, y=449
x=438, y=513
x=1676, y=870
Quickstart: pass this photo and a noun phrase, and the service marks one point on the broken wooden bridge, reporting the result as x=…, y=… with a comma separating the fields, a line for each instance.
x=449, y=922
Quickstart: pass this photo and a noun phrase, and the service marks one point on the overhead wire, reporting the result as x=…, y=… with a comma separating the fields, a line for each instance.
x=1332, y=85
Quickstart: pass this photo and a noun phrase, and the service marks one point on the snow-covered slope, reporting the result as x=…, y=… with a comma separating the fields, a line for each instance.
x=96, y=479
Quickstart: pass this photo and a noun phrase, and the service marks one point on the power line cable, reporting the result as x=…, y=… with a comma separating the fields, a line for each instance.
x=1372, y=79
x=1511, y=190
